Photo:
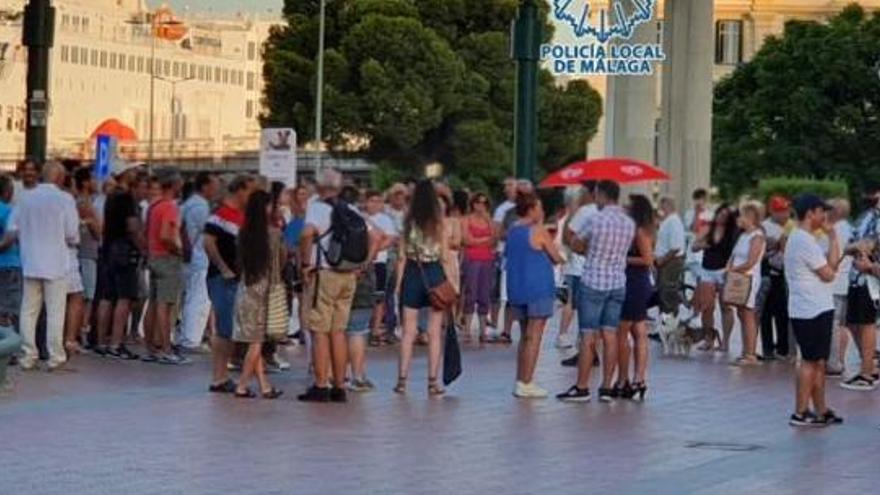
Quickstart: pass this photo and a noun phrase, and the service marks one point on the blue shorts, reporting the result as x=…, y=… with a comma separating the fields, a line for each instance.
x=540, y=309
x=359, y=322
x=222, y=292
x=599, y=309
x=573, y=285
x=414, y=291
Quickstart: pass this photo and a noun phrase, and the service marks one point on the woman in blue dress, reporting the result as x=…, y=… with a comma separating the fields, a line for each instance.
x=530, y=254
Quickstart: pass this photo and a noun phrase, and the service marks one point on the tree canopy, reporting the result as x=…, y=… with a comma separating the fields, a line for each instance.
x=417, y=81
x=806, y=105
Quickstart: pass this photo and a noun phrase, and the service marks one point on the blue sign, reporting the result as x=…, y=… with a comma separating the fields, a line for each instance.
x=103, y=157
x=598, y=27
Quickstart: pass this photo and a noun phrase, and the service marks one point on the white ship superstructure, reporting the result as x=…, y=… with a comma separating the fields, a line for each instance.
x=207, y=83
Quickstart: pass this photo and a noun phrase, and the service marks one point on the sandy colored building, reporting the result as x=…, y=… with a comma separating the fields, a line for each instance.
x=738, y=32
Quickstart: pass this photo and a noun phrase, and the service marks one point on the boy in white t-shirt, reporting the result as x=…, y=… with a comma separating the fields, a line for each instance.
x=810, y=275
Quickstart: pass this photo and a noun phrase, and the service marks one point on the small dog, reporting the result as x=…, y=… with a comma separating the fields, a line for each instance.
x=678, y=333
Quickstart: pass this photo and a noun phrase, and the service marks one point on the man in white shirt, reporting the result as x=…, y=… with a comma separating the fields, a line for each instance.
x=387, y=233
x=196, y=304
x=669, y=255
x=328, y=295
x=501, y=211
x=837, y=361
x=810, y=275
x=46, y=224
x=577, y=223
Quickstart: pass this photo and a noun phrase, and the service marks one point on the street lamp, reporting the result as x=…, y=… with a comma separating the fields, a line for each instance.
x=173, y=83
x=319, y=97
x=526, y=45
x=154, y=31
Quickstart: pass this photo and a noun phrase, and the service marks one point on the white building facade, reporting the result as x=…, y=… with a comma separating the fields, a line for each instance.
x=207, y=83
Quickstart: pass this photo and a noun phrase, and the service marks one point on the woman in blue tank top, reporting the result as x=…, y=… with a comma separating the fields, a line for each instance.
x=530, y=254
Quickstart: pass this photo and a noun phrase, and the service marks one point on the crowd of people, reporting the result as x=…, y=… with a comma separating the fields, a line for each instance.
x=238, y=266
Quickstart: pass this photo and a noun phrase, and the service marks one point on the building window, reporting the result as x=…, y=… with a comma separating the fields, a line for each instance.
x=175, y=69
x=249, y=110
x=74, y=55
x=252, y=50
x=94, y=58
x=166, y=67
x=140, y=64
x=65, y=20
x=251, y=78
x=103, y=58
x=217, y=73
x=201, y=73
x=121, y=61
x=209, y=74
x=85, y=24
x=225, y=76
x=76, y=23
x=131, y=63
x=728, y=42
x=113, y=60
x=192, y=71
x=65, y=53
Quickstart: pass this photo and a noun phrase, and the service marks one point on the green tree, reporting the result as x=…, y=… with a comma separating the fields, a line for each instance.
x=808, y=104
x=415, y=81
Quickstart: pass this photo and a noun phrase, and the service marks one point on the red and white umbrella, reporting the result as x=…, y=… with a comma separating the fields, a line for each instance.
x=621, y=170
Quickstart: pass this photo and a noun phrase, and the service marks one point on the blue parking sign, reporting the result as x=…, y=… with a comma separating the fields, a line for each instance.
x=103, y=157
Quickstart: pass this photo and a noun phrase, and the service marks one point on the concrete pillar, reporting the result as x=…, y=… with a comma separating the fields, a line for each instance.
x=686, y=115
x=630, y=109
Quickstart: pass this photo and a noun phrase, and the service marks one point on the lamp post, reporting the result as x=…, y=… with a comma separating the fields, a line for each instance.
x=526, y=53
x=319, y=92
x=154, y=25
x=38, y=35
x=173, y=83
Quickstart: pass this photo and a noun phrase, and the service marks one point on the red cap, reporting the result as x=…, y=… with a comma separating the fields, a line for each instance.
x=778, y=203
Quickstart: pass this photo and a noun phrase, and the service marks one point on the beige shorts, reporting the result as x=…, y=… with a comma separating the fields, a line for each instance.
x=330, y=308
x=166, y=284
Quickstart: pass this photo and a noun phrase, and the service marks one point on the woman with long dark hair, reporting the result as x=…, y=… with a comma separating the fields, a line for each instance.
x=261, y=257
x=634, y=313
x=422, y=247
x=717, y=246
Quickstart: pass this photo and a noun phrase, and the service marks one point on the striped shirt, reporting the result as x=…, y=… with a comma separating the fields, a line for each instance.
x=609, y=235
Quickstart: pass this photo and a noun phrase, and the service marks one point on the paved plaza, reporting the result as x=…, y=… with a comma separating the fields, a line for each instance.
x=132, y=428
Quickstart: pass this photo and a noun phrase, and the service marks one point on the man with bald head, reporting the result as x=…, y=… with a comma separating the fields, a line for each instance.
x=46, y=223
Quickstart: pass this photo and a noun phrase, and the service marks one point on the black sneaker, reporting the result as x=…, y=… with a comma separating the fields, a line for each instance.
x=575, y=394
x=571, y=362
x=829, y=418
x=338, y=395
x=101, y=350
x=606, y=395
x=860, y=383
x=767, y=357
x=315, y=394
x=804, y=420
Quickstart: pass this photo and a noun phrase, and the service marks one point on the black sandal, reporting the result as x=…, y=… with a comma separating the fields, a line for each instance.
x=227, y=387
x=272, y=394
x=503, y=339
x=247, y=394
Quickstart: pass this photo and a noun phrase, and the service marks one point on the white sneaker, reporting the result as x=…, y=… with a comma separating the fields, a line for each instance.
x=564, y=341
x=529, y=391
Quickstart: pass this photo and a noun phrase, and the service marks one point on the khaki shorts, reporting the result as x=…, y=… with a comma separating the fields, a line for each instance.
x=329, y=311
x=166, y=283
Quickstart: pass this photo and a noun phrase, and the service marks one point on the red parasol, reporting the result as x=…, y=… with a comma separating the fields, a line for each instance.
x=622, y=170
x=115, y=128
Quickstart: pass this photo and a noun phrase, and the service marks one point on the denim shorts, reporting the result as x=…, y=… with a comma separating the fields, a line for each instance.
x=359, y=322
x=414, y=291
x=599, y=309
x=573, y=285
x=539, y=309
x=715, y=277
x=222, y=292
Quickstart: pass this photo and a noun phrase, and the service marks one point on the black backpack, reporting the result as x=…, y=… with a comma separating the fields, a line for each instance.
x=349, y=243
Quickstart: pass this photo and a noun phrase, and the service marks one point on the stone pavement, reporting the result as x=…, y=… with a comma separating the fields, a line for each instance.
x=708, y=428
